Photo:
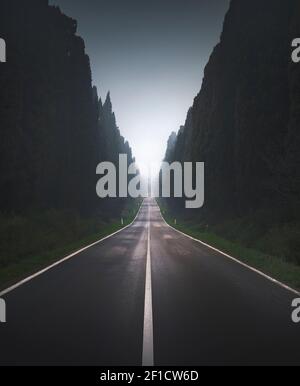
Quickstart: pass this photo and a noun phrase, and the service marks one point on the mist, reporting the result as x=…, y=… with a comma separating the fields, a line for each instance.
x=151, y=56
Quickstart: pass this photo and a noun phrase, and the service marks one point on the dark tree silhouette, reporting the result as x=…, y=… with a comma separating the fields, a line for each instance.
x=244, y=124
x=54, y=130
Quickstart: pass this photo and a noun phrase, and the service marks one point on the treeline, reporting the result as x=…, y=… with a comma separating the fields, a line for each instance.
x=54, y=128
x=244, y=124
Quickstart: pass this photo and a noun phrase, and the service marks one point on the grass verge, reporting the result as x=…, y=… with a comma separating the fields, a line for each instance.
x=33, y=242
x=276, y=267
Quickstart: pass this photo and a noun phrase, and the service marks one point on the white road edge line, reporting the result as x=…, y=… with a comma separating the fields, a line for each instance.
x=148, y=356
x=29, y=278
x=235, y=260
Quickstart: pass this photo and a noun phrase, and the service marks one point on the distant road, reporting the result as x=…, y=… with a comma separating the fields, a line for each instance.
x=149, y=295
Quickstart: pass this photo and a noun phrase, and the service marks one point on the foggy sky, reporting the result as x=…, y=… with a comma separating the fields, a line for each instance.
x=151, y=56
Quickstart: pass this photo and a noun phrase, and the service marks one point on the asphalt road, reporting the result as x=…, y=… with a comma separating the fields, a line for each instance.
x=201, y=307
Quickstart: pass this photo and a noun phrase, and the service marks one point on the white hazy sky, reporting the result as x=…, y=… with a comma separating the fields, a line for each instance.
x=151, y=56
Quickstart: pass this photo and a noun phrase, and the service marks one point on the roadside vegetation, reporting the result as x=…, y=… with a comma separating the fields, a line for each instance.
x=32, y=242
x=272, y=252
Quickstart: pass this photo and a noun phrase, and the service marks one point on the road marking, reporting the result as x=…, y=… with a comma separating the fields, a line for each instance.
x=148, y=356
x=29, y=278
x=235, y=260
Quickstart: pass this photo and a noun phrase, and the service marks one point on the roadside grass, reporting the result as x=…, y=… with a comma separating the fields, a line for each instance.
x=278, y=267
x=33, y=242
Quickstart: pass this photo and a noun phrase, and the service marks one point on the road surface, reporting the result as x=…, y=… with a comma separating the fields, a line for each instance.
x=149, y=295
